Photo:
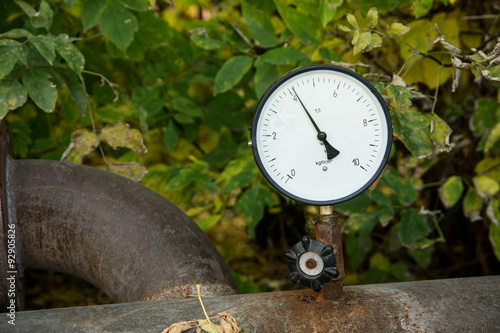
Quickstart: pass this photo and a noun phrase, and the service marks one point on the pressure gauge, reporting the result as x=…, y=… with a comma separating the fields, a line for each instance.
x=321, y=135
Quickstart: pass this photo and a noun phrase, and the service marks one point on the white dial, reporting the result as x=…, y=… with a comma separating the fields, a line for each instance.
x=321, y=134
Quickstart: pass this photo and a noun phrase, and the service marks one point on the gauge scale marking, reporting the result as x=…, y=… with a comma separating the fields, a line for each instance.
x=321, y=134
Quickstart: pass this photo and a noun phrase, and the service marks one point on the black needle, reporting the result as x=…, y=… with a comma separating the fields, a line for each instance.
x=330, y=151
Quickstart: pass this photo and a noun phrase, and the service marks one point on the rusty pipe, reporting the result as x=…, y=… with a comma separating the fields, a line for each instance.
x=452, y=305
x=118, y=235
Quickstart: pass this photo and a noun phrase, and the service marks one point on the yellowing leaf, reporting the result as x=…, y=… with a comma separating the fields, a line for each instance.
x=489, y=167
x=440, y=132
x=412, y=128
x=83, y=142
x=493, y=211
x=485, y=186
x=121, y=135
x=12, y=95
x=352, y=20
x=362, y=42
x=130, y=170
x=397, y=29
x=472, y=205
x=493, y=137
x=451, y=191
x=372, y=17
x=379, y=261
x=494, y=236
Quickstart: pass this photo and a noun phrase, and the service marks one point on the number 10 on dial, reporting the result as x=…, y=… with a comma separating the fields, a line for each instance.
x=321, y=134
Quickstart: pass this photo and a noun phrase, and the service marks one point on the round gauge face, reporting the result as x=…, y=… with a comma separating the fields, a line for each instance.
x=321, y=134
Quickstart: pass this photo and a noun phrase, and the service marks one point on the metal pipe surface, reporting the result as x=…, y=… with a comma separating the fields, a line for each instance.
x=120, y=236
x=452, y=305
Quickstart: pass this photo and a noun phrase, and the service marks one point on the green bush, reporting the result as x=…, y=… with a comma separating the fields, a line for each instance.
x=99, y=81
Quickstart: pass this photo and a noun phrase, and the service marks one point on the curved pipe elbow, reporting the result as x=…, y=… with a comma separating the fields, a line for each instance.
x=120, y=236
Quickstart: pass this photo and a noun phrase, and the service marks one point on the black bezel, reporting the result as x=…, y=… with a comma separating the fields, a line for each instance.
x=285, y=78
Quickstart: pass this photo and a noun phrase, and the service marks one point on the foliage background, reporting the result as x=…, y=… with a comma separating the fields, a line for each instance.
x=164, y=92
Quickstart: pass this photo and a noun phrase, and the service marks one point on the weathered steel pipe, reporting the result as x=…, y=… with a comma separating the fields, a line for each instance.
x=122, y=237
x=454, y=305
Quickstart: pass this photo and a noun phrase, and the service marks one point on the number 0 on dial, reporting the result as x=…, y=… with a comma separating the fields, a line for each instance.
x=321, y=134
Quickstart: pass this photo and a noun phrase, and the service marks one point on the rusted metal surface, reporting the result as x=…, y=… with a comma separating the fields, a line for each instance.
x=454, y=305
x=112, y=232
x=328, y=231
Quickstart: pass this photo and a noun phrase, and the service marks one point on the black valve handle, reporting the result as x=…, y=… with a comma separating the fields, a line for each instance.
x=311, y=263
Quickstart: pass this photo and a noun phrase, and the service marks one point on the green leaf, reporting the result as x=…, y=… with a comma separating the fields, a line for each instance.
x=305, y=27
x=137, y=5
x=421, y=7
x=328, y=9
x=15, y=33
x=27, y=8
x=45, y=45
x=451, y=191
x=184, y=176
x=170, y=137
x=383, y=6
x=265, y=75
x=209, y=221
x=186, y=106
x=283, y=56
x=472, y=205
x=76, y=89
x=260, y=25
x=226, y=109
x=400, y=94
x=412, y=128
x=83, y=142
x=400, y=271
x=405, y=191
x=232, y=72
x=121, y=135
x=130, y=170
x=253, y=202
x=119, y=25
x=40, y=88
x=363, y=222
x=238, y=173
x=329, y=54
x=494, y=236
x=221, y=154
x=372, y=17
x=397, y=29
x=12, y=53
x=70, y=2
x=486, y=187
x=91, y=12
x=357, y=246
x=486, y=116
x=12, y=96
x=413, y=227
x=43, y=19
x=207, y=43
x=74, y=58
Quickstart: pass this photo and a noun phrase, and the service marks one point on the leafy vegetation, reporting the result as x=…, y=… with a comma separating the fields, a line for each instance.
x=98, y=81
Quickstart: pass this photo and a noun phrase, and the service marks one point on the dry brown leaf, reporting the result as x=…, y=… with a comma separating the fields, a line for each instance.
x=179, y=327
